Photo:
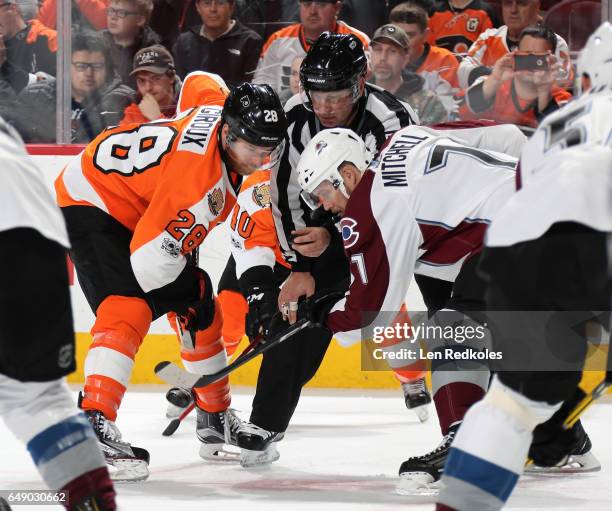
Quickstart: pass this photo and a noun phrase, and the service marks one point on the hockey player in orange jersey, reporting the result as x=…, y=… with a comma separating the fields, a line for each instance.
x=138, y=202
x=255, y=260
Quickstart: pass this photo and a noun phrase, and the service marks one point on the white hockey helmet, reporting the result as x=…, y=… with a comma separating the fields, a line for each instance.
x=324, y=155
x=595, y=59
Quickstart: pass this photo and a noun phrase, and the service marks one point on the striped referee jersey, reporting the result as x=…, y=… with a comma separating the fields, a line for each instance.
x=380, y=115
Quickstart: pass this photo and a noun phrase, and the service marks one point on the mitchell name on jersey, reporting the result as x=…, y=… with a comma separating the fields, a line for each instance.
x=422, y=207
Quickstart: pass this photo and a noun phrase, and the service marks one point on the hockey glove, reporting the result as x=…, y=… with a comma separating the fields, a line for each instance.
x=262, y=302
x=199, y=315
x=320, y=217
x=317, y=307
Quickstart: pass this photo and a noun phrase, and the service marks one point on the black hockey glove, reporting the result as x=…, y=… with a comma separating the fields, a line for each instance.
x=317, y=307
x=199, y=314
x=263, y=305
x=323, y=218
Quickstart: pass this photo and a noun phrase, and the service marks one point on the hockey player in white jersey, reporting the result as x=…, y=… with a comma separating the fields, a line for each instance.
x=37, y=338
x=546, y=250
x=422, y=208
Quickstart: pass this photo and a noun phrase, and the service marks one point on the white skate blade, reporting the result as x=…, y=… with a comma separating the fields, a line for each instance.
x=576, y=464
x=422, y=412
x=417, y=483
x=258, y=459
x=219, y=453
x=127, y=470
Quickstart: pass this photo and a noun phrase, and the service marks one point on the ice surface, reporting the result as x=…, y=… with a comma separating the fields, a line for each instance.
x=341, y=452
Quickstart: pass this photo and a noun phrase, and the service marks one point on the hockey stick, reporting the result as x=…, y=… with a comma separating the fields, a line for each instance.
x=587, y=401
x=174, y=375
x=176, y=422
x=165, y=370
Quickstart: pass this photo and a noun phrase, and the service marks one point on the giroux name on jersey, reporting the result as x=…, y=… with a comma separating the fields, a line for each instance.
x=393, y=168
x=196, y=137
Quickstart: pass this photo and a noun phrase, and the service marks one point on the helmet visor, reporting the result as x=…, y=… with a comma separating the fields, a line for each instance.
x=255, y=157
x=331, y=99
x=323, y=191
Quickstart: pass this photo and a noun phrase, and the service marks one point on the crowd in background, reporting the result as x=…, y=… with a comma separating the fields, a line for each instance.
x=449, y=59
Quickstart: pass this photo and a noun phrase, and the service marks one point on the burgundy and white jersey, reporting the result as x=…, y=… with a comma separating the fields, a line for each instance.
x=423, y=207
x=586, y=120
x=25, y=198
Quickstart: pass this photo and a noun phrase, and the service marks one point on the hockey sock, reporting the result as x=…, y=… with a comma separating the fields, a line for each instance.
x=121, y=324
x=207, y=357
x=235, y=308
x=478, y=474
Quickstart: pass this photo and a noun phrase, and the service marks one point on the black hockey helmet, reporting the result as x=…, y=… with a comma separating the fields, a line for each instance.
x=255, y=114
x=334, y=62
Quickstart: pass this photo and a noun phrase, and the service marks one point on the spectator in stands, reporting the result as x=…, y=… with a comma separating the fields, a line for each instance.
x=158, y=86
x=294, y=80
x=436, y=65
x=86, y=14
x=98, y=96
x=128, y=31
x=518, y=97
x=283, y=46
x=220, y=45
x=390, y=54
x=27, y=47
x=494, y=43
x=456, y=24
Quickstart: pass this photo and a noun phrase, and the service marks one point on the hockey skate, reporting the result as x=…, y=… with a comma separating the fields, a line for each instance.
x=257, y=445
x=125, y=462
x=217, y=431
x=421, y=474
x=581, y=459
x=178, y=400
x=417, y=398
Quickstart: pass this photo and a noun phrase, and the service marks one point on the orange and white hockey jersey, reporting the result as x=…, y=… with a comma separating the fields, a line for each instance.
x=492, y=45
x=251, y=227
x=439, y=69
x=281, y=49
x=165, y=181
x=198, y=88
x=456, y=29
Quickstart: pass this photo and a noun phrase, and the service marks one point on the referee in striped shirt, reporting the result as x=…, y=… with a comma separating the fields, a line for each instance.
x=334, y=93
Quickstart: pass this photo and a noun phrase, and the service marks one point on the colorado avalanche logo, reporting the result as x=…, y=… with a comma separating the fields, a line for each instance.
x=245, y=101
x=319, y=147
x=349, y=234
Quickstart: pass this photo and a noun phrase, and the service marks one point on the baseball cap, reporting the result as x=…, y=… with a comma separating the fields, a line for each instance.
x=392, y=33
x=155, y=59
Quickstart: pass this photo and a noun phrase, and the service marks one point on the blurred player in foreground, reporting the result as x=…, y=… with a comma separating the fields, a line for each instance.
x=37, y=352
